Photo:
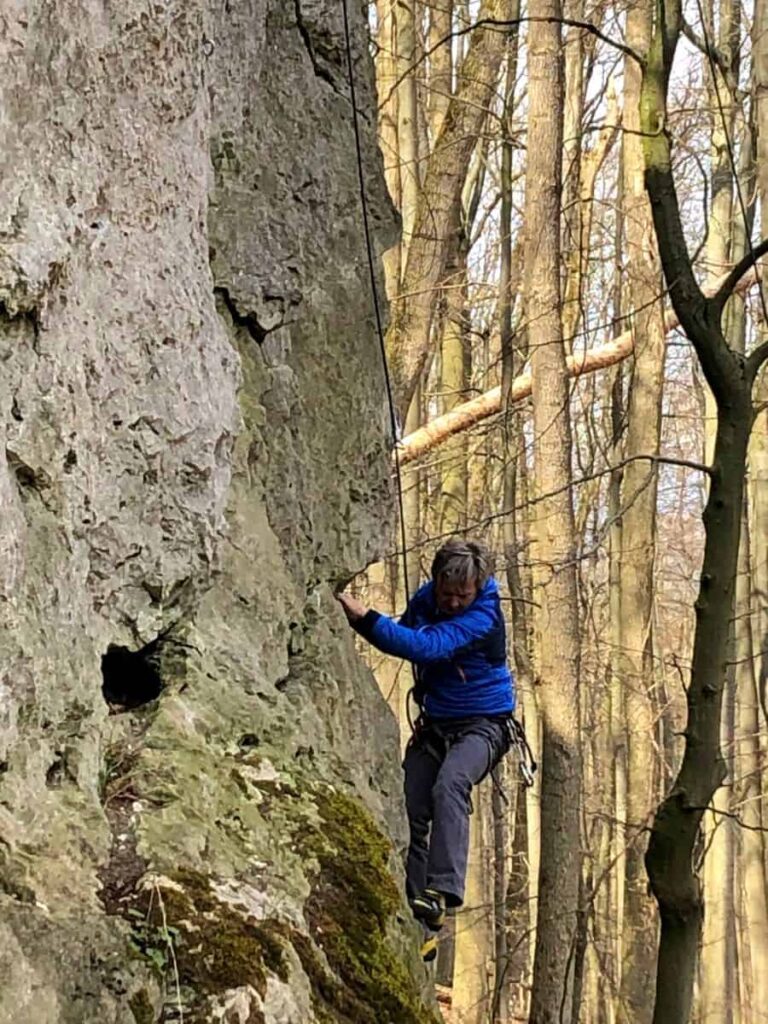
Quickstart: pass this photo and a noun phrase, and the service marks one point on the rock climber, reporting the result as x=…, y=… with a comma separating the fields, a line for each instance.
x=453, y=632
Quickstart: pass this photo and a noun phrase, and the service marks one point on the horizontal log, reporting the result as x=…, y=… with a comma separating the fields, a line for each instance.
x=468, y=414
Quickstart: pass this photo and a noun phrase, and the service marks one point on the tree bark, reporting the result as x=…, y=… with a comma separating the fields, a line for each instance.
x=752, y=682
x=386, y=92
x=748, y=761
x=474, y=923
x=638, y=531
x=440, y=66
x=556, y=614
x=718, y=988
x=455, y=370
x=407, y=120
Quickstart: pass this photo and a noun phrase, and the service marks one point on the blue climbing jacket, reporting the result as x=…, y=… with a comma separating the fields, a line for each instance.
x=460, y=660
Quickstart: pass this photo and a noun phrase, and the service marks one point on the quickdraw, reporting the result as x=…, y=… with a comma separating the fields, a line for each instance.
x=526, y=763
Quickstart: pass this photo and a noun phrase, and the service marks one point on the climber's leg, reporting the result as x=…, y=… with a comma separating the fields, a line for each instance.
x=421, y=767
x=468, y=760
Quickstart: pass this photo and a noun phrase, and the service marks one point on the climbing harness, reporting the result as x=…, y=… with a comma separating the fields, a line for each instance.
x=437, y=740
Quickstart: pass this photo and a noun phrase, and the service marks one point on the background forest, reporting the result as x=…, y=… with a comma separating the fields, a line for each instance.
x=553, y=405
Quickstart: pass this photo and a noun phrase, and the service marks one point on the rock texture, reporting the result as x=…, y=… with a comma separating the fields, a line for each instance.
x=199, y=793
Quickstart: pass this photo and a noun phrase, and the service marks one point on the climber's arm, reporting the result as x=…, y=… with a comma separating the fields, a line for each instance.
x=430, y=643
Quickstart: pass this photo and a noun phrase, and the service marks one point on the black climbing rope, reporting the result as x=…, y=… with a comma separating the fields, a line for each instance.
x=375, y=292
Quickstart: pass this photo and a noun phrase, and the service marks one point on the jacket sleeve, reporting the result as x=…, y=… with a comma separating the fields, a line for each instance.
x=439, y=642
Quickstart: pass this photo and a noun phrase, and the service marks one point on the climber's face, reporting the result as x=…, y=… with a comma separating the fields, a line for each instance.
x=453, y=597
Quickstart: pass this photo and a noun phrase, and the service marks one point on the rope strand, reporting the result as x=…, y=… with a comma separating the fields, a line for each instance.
x=375, y=293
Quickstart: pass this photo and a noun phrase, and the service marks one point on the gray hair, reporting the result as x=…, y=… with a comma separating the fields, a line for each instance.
x=460, y=561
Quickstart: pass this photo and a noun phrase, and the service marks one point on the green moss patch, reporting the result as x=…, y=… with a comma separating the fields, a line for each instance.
x=353, y=900
x=184, y=928
x=141, y=1007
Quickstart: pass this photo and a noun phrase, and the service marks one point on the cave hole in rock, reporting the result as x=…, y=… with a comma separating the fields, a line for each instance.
x=131, y=678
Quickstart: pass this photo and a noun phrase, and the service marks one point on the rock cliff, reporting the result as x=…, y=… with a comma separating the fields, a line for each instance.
x=200, y=811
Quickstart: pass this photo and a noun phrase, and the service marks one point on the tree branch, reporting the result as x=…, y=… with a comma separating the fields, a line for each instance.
x=696, y=314
x=756, y=359
x=723, y=293
x=706, y=48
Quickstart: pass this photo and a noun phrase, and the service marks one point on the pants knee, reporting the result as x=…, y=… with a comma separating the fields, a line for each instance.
x=453, y=790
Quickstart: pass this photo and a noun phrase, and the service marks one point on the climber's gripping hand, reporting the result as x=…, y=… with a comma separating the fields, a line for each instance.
x=353, y=608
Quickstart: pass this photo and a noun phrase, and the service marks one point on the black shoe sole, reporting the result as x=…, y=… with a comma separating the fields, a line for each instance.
x=434, y=923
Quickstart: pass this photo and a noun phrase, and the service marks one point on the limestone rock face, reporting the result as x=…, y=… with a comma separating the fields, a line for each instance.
x=199, y=785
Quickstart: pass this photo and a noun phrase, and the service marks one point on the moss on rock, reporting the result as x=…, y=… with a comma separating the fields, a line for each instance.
x=353, y=900
x=141, y=1007
x=214, y=945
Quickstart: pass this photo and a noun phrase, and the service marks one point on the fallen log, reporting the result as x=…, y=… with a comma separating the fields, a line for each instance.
x=468, y=414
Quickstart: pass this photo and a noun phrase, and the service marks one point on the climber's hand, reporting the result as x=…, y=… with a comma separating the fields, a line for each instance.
x=353, y=608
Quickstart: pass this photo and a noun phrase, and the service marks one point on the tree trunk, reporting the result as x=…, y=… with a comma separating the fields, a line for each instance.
x=455, y=369
x=556, y=614
x=752, y=683
x=386, y=93
x=440, y=66
x=748, y=761
x=408, y=338
x=718, y=988
x=504, y=811
x=407, y=119
x=731, y=377
x=638, y=531
x=574, y=257
x=474, y=923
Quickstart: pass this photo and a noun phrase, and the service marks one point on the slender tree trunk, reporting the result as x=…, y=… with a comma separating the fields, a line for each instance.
x=386, y=93
x=752, y=683
x=556, y=614
x=440, y=65
x=412, y=483
x=455, y=370
x=759, y=449
x=505, y=838
x=407, y=118
x=748, y=763
x=638, y=529
x=573, y=145
x=617, y=733
x=718, y=992
x=474, y=923
x=504, y=815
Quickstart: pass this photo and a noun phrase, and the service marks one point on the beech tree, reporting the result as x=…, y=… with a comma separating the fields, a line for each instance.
x=555, y=615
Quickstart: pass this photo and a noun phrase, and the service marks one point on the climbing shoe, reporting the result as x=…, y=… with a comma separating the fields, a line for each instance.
x=429, y=908
x=428, y=949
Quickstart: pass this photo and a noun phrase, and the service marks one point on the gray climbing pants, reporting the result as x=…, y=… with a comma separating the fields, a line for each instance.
x=444, y=760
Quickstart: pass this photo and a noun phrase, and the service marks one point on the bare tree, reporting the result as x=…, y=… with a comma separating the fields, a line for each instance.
x=731, y=377
x=556, y=614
